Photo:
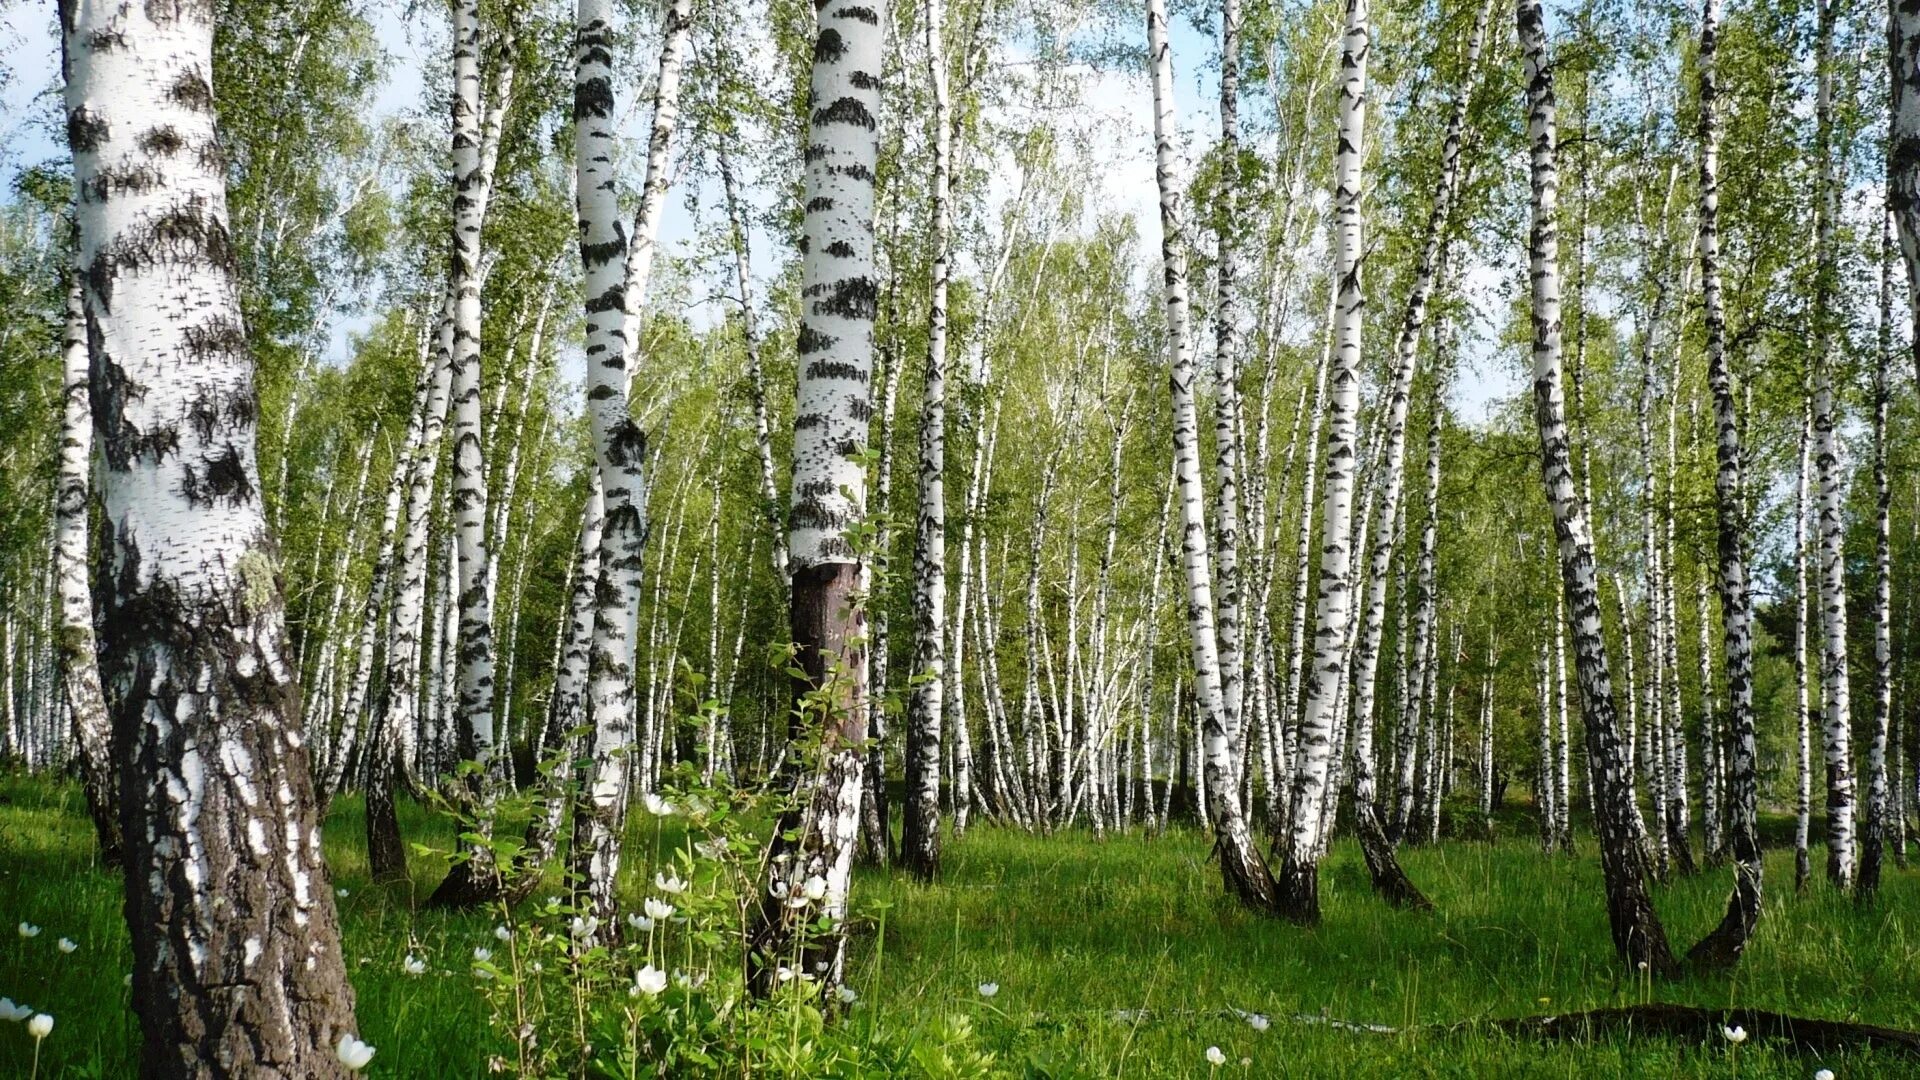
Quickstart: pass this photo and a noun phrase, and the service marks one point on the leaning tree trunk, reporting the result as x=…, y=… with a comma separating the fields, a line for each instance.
x=1721, y=949
x=1245, y=873
x=815, y=837
x=1638, y=936
x=1834, y=680
x=920, y=830
x=1384, y=868
x=1300, y=871
x=79, y=667
x=237, y=964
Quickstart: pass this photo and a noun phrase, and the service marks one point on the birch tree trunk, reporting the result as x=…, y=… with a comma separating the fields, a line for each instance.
x=1245, y=873
x=1834, y=679
x=1873, y=836
x=1300, y=870
x=237, y=963
x=1638, y=936
x=1226, y=399
x=1388, y=878
x=1903, y=151
x=1722, y=948
x=79, y=664
x=920, y=831
x=1803, y=676
x=816, y=836
x=475, y=878
x=756, y=370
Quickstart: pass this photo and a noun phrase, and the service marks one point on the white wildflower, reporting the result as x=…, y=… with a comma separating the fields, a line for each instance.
x=656, y=805
x=669, y=884
x=14, y=1013
x=29, y=930
x=40, y=1026
x=987, y=990
x=1216, y=1056
x=66, y=945
x=353, y=1053
x=413, y=965
x=649, y=980
x=1735, y=1035
x=640, y=923
x=657, y=909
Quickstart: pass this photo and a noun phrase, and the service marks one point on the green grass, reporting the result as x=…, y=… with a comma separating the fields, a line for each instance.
x=1080, y=933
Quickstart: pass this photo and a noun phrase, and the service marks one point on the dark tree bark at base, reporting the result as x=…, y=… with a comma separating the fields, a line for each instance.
x=1242, y=870
x=470, y=883
x=1389, y=880
x=1720, y=950
x=1299, y=892
x=386, y=853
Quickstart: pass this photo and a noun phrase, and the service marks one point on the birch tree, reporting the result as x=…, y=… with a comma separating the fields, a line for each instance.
x=79, y=664
x=809, y=864
x=1638, y=936
x=920, y=833
x=1245, y=873
x=1831, y=513
x=237, y=962
x=1300, y=871
x=1721, y=949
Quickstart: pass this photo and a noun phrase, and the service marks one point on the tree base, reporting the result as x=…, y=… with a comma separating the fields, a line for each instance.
x=1299, y=892
x=1389, y=880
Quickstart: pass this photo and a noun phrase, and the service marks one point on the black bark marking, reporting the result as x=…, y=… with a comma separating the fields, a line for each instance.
x=846, y=110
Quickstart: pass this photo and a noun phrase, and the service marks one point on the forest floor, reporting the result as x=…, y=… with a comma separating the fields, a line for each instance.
x=1114, y=957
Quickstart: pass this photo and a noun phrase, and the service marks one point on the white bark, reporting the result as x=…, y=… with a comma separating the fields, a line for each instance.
x=1246, y=875
x=236, y=952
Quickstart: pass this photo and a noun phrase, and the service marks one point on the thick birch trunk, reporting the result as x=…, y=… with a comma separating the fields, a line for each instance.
x=838, y=304
x=237, y=968
x=1638, y=936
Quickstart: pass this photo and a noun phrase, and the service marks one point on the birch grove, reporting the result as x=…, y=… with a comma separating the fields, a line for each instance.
x=416, y=467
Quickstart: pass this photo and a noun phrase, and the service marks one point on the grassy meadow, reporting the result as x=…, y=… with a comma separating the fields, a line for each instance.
x=1114, y=957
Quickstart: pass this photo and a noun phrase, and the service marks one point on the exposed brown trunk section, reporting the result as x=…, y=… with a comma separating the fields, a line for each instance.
x=827, y=629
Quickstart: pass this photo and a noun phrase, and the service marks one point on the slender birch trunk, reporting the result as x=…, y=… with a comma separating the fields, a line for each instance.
x=1300, y=870
x=1226, y=399
x=816, y=837
x=1877, y=827
x=476, y=877
x=1803, y=676
x=1388, y=878
x=756, y=370
x=1638, y=936
x=1834, y=679
x=237, y=959
x=79, y=664
x=1245, y=873
x=920, y=830
x=1721, y=949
